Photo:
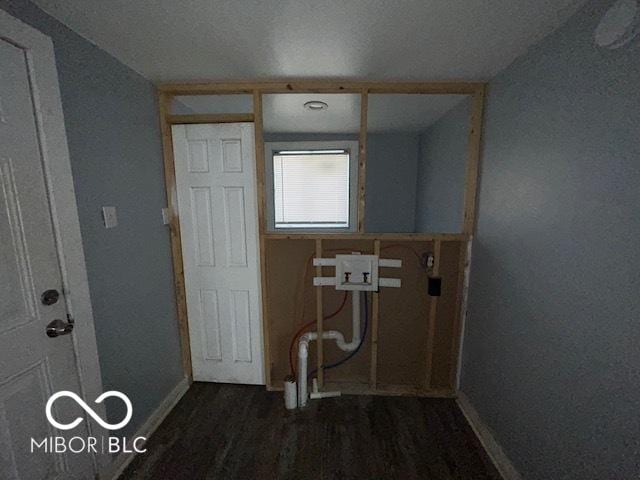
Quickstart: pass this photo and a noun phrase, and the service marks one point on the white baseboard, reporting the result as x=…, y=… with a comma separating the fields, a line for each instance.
x=487, y=439
x=122, y=461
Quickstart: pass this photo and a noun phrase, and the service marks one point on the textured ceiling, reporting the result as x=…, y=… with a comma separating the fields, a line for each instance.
x=366, y=39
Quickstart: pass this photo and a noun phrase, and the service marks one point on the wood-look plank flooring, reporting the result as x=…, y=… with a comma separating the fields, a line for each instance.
x=220, y=431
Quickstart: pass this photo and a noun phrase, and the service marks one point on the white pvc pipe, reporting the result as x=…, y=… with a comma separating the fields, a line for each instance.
x=319, y=395
x=341, y=343
x=303, y=354
x=355, y=318
x=315, y=394
x=355, y=321
x=303, y=347
x=290, y=401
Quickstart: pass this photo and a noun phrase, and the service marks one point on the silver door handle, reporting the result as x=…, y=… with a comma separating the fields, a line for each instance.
x=59, y=327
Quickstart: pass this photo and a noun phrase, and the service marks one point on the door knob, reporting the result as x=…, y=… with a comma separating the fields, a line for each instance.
x=59, y=327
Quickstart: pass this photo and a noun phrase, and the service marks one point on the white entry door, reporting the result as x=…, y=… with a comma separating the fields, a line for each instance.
x=33, y=366
x=216, y=184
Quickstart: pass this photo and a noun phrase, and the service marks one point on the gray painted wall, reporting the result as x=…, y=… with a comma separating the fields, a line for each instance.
x=114, y=141
x=551, y=352
x=392, y=160
x=441, y=169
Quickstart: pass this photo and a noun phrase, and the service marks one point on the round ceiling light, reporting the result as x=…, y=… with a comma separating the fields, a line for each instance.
x=316, y=105
x=619, y=25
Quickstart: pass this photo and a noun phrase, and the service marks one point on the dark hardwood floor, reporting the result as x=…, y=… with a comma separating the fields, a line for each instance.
x=243, y=432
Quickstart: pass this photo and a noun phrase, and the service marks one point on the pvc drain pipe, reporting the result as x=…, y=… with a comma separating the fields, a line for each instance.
x=315, y=394
x=290, y=400
x=303, y=350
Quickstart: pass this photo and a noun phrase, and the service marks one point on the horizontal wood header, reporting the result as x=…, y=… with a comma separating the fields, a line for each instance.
x=417, y=237
x=211, y=118
x=319, y=86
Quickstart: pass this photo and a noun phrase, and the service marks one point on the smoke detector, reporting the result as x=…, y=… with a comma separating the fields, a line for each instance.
x=316, y=105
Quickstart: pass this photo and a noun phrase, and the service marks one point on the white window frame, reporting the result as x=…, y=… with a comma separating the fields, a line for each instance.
x=351, y=146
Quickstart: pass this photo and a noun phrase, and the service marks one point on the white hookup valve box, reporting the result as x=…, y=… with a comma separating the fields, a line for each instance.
x=357, y=272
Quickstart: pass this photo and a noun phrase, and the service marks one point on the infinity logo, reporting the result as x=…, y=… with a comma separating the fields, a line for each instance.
x=89, y=410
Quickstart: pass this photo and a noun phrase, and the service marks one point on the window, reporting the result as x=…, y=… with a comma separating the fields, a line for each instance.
x=312, y=186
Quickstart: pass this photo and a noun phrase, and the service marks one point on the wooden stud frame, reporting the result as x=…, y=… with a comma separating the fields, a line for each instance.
x=257, y=89
x=320, y=86
x=375, y=319
x=433, y=311
x=362, y=158
x=176, y=241
x=319, y=320
x=211, y=118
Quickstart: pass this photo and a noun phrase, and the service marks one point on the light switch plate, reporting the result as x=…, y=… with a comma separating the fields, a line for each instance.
x=166, y=218
x=109, y=217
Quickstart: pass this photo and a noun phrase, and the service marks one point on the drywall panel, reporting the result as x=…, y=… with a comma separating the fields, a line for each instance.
x=441, y=172
x=392, y=163
x=551, y=347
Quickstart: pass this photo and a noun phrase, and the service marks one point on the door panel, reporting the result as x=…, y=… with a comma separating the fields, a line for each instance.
x=240, y=319
x=19, y=422
x=20, y=305
x=215, y=177
x=202, y=226
x=210, y=315
x=236, y=241
x=32, y=365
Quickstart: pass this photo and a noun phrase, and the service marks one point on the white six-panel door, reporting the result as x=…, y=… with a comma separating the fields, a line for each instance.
x=32, y=365
x=217, y=202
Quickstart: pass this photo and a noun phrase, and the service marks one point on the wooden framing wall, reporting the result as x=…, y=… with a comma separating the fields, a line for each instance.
x=427, y=365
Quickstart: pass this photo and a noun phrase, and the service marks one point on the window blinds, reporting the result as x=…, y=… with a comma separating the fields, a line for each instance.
x=311, y=189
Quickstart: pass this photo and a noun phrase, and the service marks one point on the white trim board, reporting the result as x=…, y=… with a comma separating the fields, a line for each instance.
x=487, y=439
x=122, y=461
x=52, y=136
